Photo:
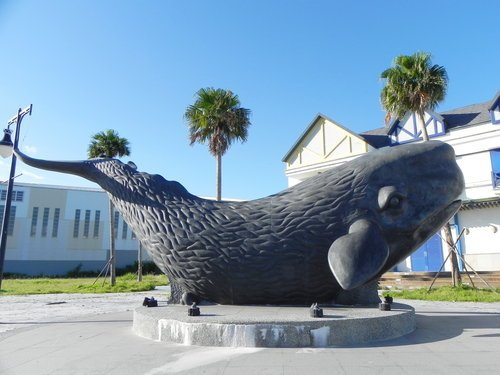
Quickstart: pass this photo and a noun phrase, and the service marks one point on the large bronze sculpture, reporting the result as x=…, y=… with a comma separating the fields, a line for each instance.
x=327, y=239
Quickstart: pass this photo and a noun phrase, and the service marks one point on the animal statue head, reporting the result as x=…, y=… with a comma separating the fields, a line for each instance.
x=325, y=239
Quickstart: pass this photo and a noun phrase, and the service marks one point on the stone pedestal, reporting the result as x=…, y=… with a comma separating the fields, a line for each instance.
x=273, y=326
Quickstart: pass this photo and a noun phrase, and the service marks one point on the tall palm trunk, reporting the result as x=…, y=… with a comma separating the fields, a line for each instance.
x=218, y=175
x=112, y=250
x=425, y=135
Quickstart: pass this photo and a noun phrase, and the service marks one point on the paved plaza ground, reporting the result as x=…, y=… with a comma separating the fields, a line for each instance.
x=91, y=334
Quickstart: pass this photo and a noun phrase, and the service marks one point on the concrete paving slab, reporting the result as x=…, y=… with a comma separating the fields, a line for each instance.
x=458, y=338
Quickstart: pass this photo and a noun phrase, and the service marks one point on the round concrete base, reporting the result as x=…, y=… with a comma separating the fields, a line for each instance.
x=272, y=326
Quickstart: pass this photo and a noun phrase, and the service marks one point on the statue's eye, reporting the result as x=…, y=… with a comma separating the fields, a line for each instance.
x=395, y=202
x=390, y=198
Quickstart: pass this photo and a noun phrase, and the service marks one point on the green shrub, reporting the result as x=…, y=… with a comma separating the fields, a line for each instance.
x=148, y=268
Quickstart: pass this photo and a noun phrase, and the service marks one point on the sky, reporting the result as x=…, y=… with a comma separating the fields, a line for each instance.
x=135, y=66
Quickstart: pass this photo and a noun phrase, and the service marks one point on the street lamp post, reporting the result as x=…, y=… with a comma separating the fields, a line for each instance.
x=6, y=149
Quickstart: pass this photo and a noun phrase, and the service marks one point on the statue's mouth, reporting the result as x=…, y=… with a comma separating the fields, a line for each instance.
x=436, y=221
x=405, y=243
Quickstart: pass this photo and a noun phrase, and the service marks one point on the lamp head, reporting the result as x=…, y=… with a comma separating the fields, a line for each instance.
x=6, y=145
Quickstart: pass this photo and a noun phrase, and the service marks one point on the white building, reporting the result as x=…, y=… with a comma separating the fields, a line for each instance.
x=474, y=133
x=54, y=229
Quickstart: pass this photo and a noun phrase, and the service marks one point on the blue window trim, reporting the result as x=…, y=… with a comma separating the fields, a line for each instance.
x=400, y=130
x=496, y=180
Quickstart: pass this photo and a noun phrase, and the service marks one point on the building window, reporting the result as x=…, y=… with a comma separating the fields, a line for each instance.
x=17, y=196
x=133, y=236
x=45, y=221
x=124, y=230
x=86, y=224
x=34, y=220
x=12, y=219
x=76, y=227
x=55, y=224
x=97, y=219
x=117, y=218
x=495, y=113
x=495, y=168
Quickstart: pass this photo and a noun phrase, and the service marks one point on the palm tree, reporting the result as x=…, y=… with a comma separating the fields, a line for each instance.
x=109, y=144
x=217, y=118
x=413, y=84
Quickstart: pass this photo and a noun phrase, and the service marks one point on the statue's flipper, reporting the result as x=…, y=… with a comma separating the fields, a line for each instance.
x=358, y=256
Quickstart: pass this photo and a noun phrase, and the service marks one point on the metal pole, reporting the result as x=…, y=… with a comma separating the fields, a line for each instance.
x=139, y=263
x=10, y=186
x=112, y=247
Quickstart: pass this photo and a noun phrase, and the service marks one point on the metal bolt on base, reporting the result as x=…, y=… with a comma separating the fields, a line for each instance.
x=194, y=310
x=315, y=311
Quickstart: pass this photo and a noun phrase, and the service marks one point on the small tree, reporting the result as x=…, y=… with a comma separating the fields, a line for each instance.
x=216, y=118
x=109, y=144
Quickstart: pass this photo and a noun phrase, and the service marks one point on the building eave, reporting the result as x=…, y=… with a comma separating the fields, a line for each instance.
x=475, y=204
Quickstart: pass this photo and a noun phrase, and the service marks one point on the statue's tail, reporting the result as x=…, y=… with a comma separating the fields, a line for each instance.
x=82, y=168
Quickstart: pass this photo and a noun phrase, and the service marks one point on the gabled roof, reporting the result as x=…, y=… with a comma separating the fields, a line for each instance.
x=376, y=138
x=318, y=117
x=473, y=114
x=469, y=115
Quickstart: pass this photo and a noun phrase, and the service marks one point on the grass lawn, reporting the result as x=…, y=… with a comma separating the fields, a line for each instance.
x=125, y=283
x=128, y=283
x=463, y=293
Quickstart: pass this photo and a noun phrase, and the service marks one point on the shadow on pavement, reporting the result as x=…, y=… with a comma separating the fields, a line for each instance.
x=443, y=326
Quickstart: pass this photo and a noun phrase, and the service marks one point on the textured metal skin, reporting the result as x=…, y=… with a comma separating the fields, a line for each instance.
x=275, y=250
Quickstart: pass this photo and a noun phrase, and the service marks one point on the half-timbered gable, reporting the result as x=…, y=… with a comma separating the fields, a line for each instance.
x=324, y=144
x=408, y=129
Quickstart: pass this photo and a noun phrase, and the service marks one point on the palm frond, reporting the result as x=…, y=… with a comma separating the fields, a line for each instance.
x=216, y=118
x=413, y=84
x=109, y=144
